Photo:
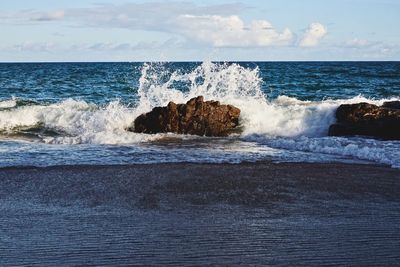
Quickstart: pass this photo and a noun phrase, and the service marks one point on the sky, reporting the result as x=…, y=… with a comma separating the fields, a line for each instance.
x=269, y=30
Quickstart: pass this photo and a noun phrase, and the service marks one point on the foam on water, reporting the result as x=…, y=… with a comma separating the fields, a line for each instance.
x=283, y=123
x=8, y=103
x=239, y=86
x=77, y=122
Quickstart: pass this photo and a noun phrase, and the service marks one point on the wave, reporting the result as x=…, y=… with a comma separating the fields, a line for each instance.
x=77, y=122
x=8, y=103
x=240, y=86
x=341, y=148
x=284, y=122
x=228, y=83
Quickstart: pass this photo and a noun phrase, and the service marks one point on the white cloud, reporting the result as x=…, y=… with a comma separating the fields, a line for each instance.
x=357, y=43
x=30, y=46
x=48, y=16
x=354, y=43
x=367, y=49
x=231, y=31
x=35, y=46
x=207, y=25
x=312, y=36
x=147, y=15
x=29, y=16
x=153, y=16
x=141, y=45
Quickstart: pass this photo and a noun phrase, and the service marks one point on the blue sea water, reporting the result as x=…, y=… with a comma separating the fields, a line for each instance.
x=77, y=113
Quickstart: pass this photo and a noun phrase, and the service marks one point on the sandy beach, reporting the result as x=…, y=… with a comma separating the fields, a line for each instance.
x=161, y=185
x=249, y=213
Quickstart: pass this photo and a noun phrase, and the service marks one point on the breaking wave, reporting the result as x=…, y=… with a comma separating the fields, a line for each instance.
x=284, y=122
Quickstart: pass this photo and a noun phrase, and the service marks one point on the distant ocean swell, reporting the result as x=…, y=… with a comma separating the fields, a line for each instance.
x=283, y=123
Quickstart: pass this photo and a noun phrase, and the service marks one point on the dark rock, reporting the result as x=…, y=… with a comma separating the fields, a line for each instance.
x=391, y=104
x=197, y=117
x=367, y=120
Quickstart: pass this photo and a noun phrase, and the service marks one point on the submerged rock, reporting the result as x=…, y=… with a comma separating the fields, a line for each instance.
x=368, y=120
x=197, y=117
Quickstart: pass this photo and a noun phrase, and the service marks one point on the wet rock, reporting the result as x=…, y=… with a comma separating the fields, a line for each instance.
x=391, y=104
x=197, y=117
x=368, y=120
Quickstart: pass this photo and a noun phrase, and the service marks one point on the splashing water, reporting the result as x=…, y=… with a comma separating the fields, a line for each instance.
x=239, y=86
x=281, y=124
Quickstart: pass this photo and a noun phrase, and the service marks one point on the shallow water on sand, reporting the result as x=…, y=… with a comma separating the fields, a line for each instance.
x=161, y=215
x=205, y=235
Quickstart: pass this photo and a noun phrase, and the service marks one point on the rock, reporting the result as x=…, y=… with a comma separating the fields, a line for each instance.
x=368, y=120
x=197, y=117
x=391, y=104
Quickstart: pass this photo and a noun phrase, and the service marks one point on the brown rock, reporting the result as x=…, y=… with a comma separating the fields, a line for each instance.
x=197, y=117
x=367, y=120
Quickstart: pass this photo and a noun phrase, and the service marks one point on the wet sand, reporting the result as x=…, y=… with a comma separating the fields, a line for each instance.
x=190, y=214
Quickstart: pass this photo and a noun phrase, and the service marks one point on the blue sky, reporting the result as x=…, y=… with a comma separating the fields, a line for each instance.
x=270, y=30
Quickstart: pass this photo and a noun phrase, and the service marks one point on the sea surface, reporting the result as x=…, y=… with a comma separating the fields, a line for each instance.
x=102, y=207
x=77, y=113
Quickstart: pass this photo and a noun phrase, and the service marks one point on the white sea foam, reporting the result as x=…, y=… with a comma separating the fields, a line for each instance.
x=282, y=123
x=239, y=86
x=381, y=152
x=80, y=122
x=8, y=103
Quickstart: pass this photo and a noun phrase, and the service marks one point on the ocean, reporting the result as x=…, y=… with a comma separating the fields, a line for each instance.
x=77, y=113
x=78, y=189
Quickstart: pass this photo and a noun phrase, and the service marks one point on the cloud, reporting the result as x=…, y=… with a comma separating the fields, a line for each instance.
x=47, y=16
x=364, y=44
x=363, y=49
x=205, y=25
x=151, y=16
x=357, y=43
x=35, y=46
x=312, y=36
x=141, y=45
x=29, y=16
x=231, y=31
x=211, y=25
x=30, y=46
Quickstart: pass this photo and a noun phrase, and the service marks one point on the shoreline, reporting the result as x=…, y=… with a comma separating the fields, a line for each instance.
x=183, y=163
x=174, y=185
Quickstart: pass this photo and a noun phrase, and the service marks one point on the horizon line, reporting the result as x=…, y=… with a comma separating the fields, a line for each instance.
x=193, y=61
